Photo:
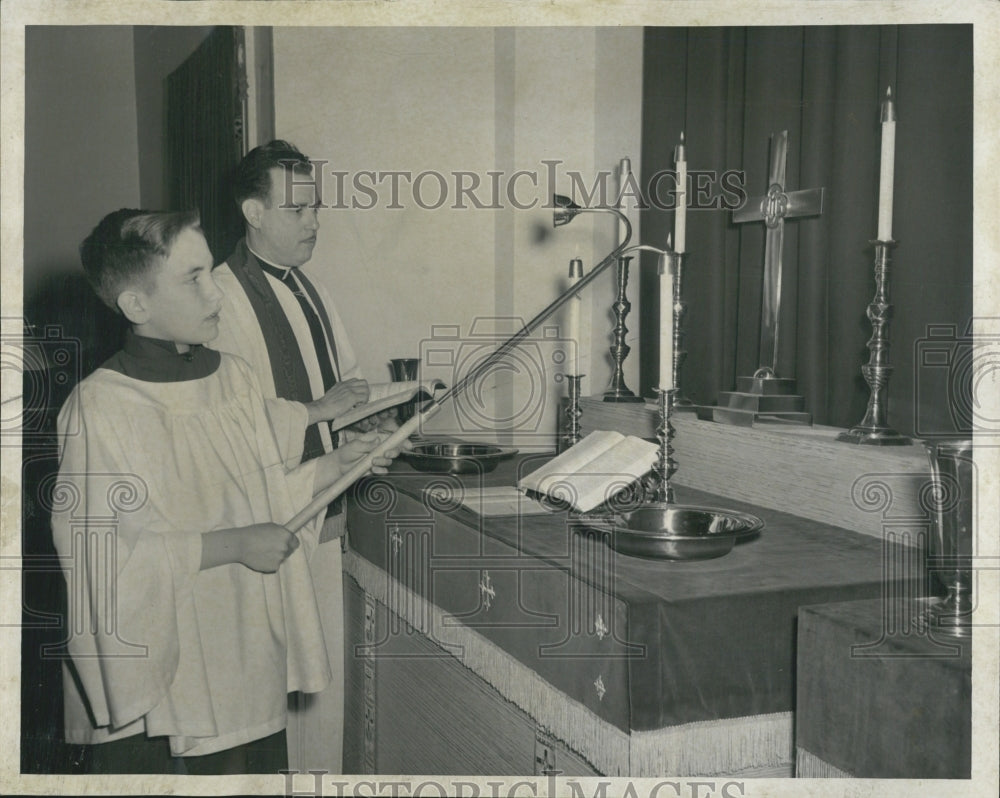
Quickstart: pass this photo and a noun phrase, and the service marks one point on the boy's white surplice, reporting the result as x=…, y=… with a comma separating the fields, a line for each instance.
x=158, y=646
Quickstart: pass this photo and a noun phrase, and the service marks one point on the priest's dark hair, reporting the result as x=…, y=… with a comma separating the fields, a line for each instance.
x=253, y=175
x=126, y=245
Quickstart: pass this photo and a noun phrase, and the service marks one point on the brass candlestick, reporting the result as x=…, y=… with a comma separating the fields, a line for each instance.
x=681, y=402
x=662, y=491
x=571, y=434
x=618, y=391
x=874, y=429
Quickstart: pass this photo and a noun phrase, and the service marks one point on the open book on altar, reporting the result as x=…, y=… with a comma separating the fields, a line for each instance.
x=383, y=395
x=591, y=472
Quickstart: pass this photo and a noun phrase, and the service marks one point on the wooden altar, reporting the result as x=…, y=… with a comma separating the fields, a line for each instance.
x=519, y=644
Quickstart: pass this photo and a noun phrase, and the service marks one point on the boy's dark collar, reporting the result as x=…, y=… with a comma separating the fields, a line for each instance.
x=156, y=360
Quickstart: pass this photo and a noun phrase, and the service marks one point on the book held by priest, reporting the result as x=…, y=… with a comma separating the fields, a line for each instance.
x=383, y=395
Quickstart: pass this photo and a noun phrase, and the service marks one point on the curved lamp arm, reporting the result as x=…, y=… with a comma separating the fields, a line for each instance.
x=565, y=211
x=646, y=248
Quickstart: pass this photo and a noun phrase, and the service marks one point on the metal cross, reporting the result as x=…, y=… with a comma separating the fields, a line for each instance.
x=773, y=208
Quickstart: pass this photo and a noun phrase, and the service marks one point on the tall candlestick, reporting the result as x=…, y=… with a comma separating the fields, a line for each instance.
x=680, y=212
x=573, y=315
x=666, y=272
x=624, y=173
x=886, y=167
x=617, y=390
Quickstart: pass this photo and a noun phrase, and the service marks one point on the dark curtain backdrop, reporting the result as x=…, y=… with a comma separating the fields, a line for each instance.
x=728, y=89
x=205, y=131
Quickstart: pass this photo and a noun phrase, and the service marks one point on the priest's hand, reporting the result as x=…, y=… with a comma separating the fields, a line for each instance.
x=342, y=397
x=260, y=547
x=334, y=465
x=353, y=451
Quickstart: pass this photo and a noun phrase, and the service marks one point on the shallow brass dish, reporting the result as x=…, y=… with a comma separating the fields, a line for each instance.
x=677, y=532
x=456, y=458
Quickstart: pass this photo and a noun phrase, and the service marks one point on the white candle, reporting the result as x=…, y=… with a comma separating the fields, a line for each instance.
x=886, y=167
x=666, y=321
x=624, y=172
x=573, y=316
x=680, y=212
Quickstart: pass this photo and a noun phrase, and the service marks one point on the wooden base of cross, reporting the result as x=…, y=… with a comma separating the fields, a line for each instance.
x=760, y=399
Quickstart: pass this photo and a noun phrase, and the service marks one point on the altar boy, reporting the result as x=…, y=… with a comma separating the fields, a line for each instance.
x=191, y=611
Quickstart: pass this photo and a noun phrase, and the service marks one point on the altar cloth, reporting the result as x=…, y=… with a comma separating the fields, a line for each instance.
x=644, y=645
x=759, y=746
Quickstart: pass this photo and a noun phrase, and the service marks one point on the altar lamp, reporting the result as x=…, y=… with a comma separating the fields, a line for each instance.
x=565, y=210
x=564, y=213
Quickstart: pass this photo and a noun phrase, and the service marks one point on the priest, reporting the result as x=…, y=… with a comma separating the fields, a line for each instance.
x=285, y=324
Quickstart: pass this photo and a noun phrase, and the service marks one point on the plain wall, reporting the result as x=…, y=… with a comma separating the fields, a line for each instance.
x=412, y=281
x=94, y=131
x=81, y=154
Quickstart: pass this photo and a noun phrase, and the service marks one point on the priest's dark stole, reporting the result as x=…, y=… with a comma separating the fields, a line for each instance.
x=728, y=89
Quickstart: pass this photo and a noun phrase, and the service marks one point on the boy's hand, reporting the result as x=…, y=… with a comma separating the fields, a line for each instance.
x=388, y=420
x=263, y=547
x=383, y=421
x=338, y=400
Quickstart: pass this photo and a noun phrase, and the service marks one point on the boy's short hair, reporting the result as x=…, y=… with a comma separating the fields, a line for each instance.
x=253, y=175
x=126, y=245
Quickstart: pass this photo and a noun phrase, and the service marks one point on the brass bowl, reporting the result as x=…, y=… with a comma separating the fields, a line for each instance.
x=456, y=458
x=677, y=532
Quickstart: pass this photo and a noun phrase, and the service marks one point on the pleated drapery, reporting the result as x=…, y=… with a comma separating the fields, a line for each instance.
x=205, y=130
x=728, y=89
